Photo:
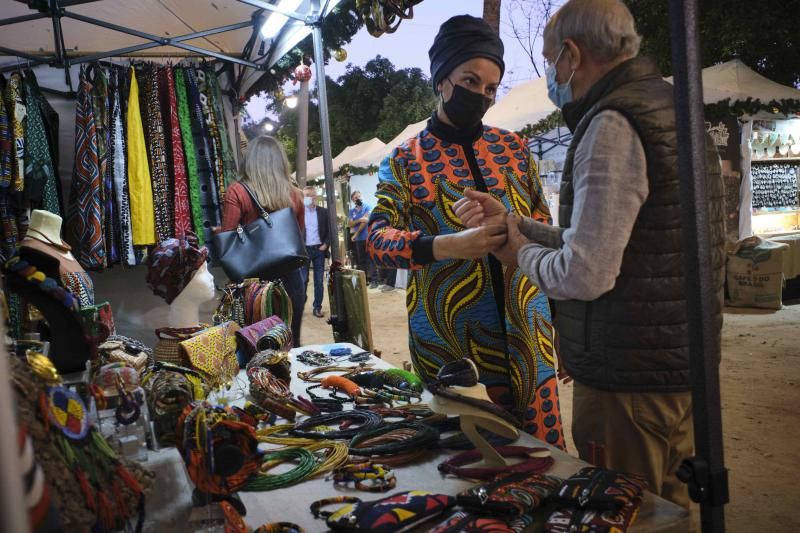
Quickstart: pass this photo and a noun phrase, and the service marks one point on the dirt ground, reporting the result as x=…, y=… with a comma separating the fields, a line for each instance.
x=760, y=379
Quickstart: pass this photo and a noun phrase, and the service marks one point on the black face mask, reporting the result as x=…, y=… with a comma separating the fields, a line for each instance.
x=466, y=108
x=359, y=203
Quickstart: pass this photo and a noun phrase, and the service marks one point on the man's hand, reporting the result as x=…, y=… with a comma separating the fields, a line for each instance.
x=470, y=243
x=323, y=247
x=479, y=208
x=515, y=240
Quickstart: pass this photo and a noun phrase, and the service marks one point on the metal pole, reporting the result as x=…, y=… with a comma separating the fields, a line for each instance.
x=58, y=40
x=705, y=473
x=302, y=134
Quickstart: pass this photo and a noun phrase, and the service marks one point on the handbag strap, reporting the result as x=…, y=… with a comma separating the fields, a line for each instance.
x=253, y=197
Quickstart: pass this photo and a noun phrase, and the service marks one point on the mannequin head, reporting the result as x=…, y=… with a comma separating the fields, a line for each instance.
x=46, y=226
x=199, y=290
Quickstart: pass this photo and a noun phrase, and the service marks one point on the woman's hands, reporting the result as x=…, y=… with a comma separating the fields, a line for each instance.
x=471, y=243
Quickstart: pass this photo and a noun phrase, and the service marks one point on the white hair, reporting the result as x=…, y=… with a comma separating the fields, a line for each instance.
x=604, y=28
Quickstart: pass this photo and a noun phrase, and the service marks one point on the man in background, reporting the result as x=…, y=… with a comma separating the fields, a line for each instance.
x=317, y=244
x=359, y=216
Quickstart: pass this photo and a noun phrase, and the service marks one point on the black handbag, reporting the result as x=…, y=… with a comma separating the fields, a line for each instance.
x=267, y=248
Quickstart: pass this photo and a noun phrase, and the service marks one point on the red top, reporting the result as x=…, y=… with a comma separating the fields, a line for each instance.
x=238, y=208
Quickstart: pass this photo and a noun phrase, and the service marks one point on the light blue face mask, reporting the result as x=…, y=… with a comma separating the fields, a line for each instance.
x=559, y=93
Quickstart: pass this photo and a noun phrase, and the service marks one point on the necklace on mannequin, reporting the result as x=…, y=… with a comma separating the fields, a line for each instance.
x=61, y=247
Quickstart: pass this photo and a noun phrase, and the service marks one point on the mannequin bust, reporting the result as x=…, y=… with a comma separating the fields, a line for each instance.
x=44, y=235
x=184, y=311
x=471, y=418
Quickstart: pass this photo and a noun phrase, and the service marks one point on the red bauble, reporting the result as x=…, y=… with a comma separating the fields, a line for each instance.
x=302, y=73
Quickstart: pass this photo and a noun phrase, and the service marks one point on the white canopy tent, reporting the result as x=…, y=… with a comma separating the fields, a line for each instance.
x=736, y=81
x=346, y=157
x=524, y=104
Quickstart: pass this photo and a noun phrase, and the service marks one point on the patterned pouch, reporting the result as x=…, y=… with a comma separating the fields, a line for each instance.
x=247, y=337
x=463, y=522
x=98, y=322
x=400, y=512
x=573, y=520
x=213, y=353
x=599, y=489
x=515, y=494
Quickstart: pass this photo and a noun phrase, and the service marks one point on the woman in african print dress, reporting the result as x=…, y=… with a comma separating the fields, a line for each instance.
x=462, y=302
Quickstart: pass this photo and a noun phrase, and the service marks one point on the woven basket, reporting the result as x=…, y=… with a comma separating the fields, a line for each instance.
x=166, y=350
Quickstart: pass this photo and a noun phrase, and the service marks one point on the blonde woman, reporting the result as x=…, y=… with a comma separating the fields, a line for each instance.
x=266, y=172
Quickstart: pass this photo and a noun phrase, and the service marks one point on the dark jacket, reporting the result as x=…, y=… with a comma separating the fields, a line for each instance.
x=634, y=337
x=322, y=225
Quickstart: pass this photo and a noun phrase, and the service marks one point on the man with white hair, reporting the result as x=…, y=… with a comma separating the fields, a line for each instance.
x=616, y=267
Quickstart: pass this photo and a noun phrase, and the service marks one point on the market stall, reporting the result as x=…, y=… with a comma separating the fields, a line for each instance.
x=170, y=509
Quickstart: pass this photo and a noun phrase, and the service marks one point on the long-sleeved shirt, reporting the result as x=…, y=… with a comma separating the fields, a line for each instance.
x=238, y=208
x=610, y=182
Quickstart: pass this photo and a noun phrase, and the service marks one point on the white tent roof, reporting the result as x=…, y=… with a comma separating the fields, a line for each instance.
x=524, y=104
x=737, y=81
x=347, y=156
x=162, y=18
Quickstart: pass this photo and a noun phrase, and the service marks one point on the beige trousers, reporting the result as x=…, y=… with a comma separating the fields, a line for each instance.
x=640, y=433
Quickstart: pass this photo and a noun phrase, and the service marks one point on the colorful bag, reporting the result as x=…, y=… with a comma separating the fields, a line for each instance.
x=464, y=522
x=247, y=337
x=515, y=494
x=400, y=512
x=166, y=349
x=213, y=353
x=599, y=488
x=573, y=520
x=98, y=322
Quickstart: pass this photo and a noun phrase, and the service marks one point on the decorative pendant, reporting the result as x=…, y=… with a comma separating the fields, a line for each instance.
x=67, y=412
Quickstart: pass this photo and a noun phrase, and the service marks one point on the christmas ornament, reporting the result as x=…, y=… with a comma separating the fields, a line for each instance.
x=302, y=73
x=278, y=94
x=340, y=55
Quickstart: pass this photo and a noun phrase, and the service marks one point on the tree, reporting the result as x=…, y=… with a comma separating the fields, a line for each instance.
x=491, y=14
x=528, y=19
x=410, y=100
x=762, y=34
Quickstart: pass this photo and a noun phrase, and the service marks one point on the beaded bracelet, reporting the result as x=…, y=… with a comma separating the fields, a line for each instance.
x=312, y=358
x=317, y=505
x=537, y=465
x=422, y=437
x=367, y=419
x=369, y=477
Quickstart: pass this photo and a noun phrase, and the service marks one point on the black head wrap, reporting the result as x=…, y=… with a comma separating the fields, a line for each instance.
x=460, y=39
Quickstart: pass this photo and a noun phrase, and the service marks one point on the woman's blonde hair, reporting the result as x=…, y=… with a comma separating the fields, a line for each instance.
x=266, y=172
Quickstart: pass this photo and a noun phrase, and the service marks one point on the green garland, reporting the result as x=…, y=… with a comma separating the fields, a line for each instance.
x=348, y=170
x=551, y=121
x=751, y=106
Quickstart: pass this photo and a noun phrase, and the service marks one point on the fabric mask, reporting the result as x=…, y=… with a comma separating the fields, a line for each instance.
x=307, y=201
x=559, y=93
x=359, y=202
x=466, y=108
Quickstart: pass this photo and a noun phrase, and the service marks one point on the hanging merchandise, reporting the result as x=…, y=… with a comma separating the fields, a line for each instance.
x=213, y=132
x=40, y=177
x=139, y=184
x=180, y=187
x=340, y=55
x=190, y=151
x=8, y=222
x=17, y=113
x=228, y=163
x=85, y=211
x=118, y=169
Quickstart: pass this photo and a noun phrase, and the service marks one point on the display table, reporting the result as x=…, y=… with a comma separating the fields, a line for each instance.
x=169, y=507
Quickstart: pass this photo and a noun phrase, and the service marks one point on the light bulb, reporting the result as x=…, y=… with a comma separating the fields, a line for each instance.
x=291, y=102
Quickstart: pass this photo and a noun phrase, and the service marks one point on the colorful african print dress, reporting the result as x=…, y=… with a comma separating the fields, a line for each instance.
x=453, y=305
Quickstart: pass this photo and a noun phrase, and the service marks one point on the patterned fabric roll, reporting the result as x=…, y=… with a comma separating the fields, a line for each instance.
x=17, y=113
x=213, y=131
x=40, y=187
x=85, y=212
x=118, y=174
x=219, y=110
x=184, y=118
x=139, y=185
x=162, y=190
x=102, y=112
x=169, y=112
x=209, y=199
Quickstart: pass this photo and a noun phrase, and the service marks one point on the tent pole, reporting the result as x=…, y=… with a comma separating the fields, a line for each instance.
x=705, y=473
x=58, y=42
x=302, y=134
x=338, y=318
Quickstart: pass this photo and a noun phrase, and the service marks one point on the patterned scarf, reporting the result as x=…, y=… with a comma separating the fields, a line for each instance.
x=169, y=108
x=213, y=131
x=8, y=223
x=118, y=174
x=189, y=151
x=219, y=111
x=140, y=187
x=6, y=142
x=17, y=113
x=159, y=173
x=41, y=181
x=85, y=213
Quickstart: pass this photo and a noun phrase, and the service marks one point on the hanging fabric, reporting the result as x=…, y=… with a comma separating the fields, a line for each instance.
x=85, y=211
x=42, y=186
x=172, y=127
x=116, y=162
x=101, y=109
x=51, y=121
x=17, y=113
x=219, y=110
x=139, y=184
x=209, y=199
x=8, y=221
x=213, y=132
x=184, y=118
x=162, y=193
